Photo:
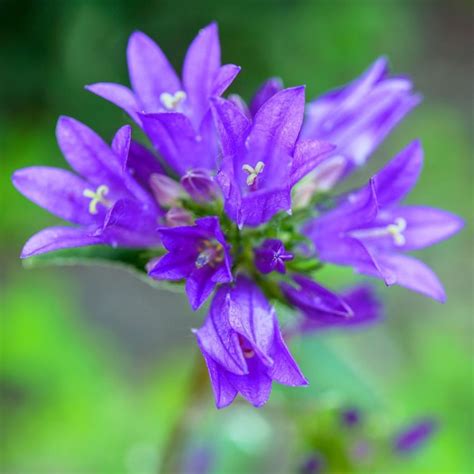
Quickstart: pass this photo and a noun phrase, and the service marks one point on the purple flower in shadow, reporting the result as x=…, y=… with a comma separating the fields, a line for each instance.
x=174, y=113
x=369, y=228
x=198, y=253
x=243, y=346
x=105, y=202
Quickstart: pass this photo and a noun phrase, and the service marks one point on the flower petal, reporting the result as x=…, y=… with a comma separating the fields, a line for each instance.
x=398, y=269
x=425, y=226
x=397, y=178
x=308, y=155
x=173, y=136
x=285, y=370
x=200, y=69
x=59, y=191
x=224, y=392
x=173, y=266
x=267, y=90
x=119, y=95
x=278, y=122
x=251, y=316
x=121, y=144
x=199, y=286
x=142, y=164
x=231, y=123
x=150, y=72
x=315, y=300
x=88, y=154
x=57, y=238
x=224, y=78
x=216, y=337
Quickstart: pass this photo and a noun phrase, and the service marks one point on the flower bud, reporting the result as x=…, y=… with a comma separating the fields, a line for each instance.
x=200, y=185
x=177, y=217
x=166, y=190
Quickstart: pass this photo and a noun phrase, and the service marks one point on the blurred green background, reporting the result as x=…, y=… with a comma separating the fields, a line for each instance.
x=95, y=365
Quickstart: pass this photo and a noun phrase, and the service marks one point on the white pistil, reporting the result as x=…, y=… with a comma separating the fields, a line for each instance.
x=253, y=172
x=395, y=230
x=97, y=197
x=172, y=101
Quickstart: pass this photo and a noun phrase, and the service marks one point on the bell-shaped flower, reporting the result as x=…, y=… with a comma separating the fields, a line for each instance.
x=358, y=116
x=198, y=253
x=262, y=158
x=322, y=309
x=243, y=346
x=174, y=112
x=369, y=229
x=106, y=203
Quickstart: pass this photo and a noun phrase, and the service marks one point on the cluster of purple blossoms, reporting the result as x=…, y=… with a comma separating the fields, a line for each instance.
x=234, y=200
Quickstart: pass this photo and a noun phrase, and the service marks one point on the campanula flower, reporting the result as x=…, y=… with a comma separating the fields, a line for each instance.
x=243, y=346
x=198, y=253
x=103, y=200
x=271, y=256
x=174, y=112
x=369, y=229
x=262, y=158
x=358, y=116
x=322, y=309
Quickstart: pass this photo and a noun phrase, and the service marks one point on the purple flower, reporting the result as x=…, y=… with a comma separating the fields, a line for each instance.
x=314, y=300
x=198, y=253
x=323, y=309
x=358, y=116
x=174, y=113
x=243, y=346
x=413, y=437
x=369, y=228
x=105, y=202
x=271, y=256
x=262, y=159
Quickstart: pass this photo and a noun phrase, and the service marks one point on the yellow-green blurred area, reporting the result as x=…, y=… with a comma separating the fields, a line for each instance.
x=95, y=364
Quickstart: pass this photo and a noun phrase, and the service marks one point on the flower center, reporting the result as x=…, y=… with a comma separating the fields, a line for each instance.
x=210, y=253
x=395, y=230
x=247, y=350
x=172, y=101
x=253, y=172
x=97, y=197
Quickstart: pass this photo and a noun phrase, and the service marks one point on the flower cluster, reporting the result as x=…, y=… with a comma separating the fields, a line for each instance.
x=235, y=201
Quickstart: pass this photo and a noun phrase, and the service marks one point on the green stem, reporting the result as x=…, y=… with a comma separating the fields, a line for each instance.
x=198, y=385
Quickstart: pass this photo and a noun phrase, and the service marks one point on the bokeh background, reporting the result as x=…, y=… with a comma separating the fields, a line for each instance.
x=95, y=364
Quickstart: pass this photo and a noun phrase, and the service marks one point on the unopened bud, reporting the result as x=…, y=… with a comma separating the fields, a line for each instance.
x=200, y=185
x=177, y=217
x=166, y=190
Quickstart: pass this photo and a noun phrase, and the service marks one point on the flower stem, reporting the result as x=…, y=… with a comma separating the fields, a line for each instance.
x=198, y=385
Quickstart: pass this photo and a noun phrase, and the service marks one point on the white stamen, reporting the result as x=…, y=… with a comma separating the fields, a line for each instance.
x=97, y=197
x=172, y=101
x=253, y=172
x=395, y=230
